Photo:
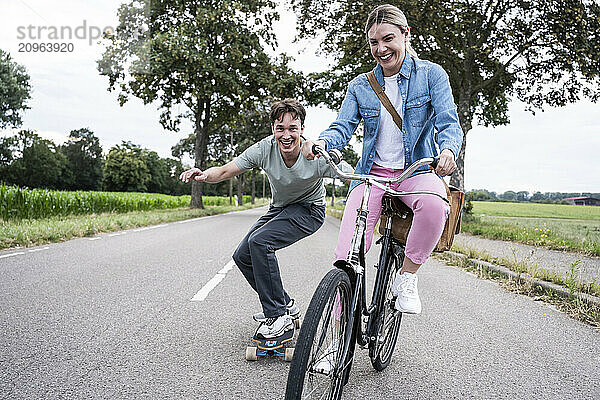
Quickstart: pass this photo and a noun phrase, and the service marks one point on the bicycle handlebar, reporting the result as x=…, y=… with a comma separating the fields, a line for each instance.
x=330, y=157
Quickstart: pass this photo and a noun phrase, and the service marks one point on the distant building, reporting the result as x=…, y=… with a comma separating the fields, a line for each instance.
x=583, y=201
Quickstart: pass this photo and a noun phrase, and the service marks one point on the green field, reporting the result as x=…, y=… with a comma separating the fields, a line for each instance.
x=555, y=226
x=20, y=203
x=536, y=210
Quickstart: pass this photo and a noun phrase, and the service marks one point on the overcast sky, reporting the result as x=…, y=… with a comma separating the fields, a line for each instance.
x=555, y=150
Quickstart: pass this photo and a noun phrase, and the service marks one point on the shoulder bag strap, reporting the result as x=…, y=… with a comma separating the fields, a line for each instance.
x=384, y=99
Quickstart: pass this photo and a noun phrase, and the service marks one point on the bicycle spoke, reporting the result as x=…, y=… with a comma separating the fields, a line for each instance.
x=312, y=391
x=313, y=371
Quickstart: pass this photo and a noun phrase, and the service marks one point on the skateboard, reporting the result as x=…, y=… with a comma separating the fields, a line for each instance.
x=280, y=346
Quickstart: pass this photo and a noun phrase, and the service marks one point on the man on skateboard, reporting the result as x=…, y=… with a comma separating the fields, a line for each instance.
x=297, y=210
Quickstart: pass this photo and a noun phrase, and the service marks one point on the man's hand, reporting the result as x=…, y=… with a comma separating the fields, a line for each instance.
x=446, y=165
x=307, y=148
x=193, y=173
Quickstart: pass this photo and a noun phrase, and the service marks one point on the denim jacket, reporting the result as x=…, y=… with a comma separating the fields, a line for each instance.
x=428, y=114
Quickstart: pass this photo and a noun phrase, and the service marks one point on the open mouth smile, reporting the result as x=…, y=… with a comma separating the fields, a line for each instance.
x=287, y=143
x=386, y=57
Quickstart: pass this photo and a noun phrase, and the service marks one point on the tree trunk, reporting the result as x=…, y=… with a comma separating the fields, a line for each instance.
x=202, y=118
x=465, y=118
x=240, y=196
x=253, y=186
x=332, y=192
x=231, y=180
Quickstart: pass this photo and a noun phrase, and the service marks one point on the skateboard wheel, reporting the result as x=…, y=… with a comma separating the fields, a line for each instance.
x=289, y=354
x=251, y=353
x=297, y=323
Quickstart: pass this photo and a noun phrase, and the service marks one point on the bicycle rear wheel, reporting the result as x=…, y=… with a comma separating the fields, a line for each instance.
x=321, y=342
x=388, y=321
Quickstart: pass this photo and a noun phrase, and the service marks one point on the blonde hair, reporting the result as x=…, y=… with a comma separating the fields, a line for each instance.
x=389, y=14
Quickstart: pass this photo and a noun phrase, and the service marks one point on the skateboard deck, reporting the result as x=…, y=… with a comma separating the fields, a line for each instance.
x=281, y=346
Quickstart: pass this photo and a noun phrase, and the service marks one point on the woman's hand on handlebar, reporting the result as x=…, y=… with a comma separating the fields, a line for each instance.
x=446, y=164
x=193, y=173
x=307, y=147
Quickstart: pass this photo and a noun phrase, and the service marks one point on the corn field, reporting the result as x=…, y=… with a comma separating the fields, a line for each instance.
x=20, y=203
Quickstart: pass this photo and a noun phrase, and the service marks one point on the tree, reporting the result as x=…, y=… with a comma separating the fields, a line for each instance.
x=540, y=52
x=15, y=90
x=84, y=160
x=201, y=61
x=247, y=128
x=481, y=195
x=508, y=196
x=28, y=160
x=158, y=170
x=252, y=126
x=125, y=169
x=173, y=185
x=522, y=196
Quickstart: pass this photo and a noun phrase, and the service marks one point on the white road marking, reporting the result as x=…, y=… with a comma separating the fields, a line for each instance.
x=210, y=285
x=95, y=238
x=35, y=250
x=228, y=267
x=12, y=254
x=116, y=234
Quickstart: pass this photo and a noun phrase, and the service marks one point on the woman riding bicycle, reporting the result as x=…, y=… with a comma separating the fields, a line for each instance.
x=420, y=92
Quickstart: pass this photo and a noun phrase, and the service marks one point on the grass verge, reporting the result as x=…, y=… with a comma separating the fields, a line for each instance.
x=35, y=232
x=572, y=306
x=574, y=236
x=570, y=281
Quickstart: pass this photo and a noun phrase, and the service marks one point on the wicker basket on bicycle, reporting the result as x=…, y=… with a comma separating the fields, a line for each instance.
x=402, y=217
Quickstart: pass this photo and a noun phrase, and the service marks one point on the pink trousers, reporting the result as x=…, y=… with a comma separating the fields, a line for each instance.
x=430, y=214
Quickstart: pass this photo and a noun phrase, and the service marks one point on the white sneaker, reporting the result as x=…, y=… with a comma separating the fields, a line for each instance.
x=291, y=309
x=327, y=361
x=405, y=287
x=274, y=327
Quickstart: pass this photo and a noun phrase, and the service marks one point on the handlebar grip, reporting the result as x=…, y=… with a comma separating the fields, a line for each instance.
x=316, y=149
x=435, y=163
x=336, y=156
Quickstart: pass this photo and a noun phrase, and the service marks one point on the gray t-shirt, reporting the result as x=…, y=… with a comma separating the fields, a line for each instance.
x=301, y=183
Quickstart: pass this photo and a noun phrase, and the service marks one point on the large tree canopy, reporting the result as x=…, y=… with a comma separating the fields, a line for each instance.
x=540, y=52
x=125, y=169
x=28, y=160
x=14, y=91
x=198, y=60
x=84, y=160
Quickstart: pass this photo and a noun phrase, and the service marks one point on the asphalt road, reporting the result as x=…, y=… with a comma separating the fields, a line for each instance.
x=113, y=317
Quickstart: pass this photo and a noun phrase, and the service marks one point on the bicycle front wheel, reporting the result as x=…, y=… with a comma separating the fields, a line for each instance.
x=388, y=320
x=321, y=342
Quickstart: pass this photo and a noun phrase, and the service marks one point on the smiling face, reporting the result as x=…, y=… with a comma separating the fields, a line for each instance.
x=287, y=131
x=388, y=46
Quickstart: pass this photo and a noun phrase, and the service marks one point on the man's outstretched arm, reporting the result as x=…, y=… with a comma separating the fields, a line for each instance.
x=213, y=174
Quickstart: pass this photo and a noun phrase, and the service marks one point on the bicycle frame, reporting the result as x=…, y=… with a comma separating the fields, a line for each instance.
x=356, y=256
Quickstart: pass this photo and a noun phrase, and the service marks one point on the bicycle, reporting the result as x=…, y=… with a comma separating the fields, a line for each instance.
x=338, y=317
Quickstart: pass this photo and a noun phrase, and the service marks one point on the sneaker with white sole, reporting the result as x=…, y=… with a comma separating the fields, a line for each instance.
x=327, y=361
x=274, y=327
x=291, y=309
x=405, y=287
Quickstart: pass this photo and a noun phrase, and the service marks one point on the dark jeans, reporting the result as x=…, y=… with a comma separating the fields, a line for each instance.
x=255, y=255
